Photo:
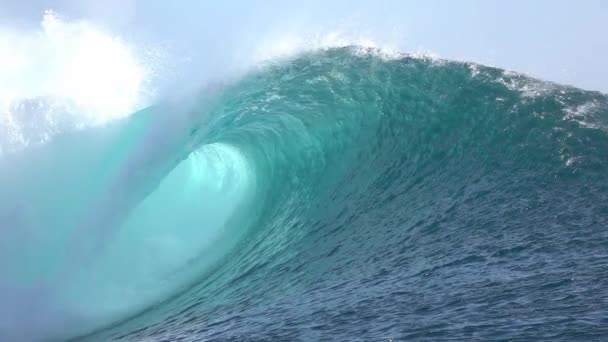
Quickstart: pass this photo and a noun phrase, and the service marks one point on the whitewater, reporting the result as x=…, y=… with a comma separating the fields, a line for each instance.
x=329, y=187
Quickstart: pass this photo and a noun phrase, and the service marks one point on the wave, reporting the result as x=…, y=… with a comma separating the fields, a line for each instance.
x=342, y=192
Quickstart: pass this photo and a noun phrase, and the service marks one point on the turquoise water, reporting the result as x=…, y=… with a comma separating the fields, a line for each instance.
x=339, y=195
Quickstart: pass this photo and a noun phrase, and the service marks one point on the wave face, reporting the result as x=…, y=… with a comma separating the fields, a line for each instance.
x=339, y=195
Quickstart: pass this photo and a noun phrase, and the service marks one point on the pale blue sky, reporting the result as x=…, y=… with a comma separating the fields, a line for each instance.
x=557, y=40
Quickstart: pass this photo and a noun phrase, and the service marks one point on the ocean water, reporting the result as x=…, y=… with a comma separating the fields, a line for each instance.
x=341, y=194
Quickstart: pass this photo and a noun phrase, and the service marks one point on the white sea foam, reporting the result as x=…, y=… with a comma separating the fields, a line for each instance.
x=585, y=115
x=65, y=75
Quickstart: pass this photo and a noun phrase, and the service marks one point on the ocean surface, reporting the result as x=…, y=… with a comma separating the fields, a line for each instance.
x=340, y=194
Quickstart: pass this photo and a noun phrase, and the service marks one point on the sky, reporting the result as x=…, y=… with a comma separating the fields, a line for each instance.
x=556, y=40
